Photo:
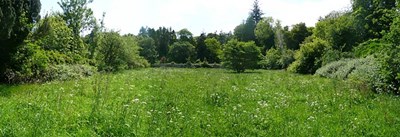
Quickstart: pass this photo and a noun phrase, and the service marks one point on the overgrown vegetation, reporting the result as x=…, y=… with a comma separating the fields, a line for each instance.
x=196, y=102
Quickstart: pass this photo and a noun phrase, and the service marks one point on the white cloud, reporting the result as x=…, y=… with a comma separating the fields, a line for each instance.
x=203, y=15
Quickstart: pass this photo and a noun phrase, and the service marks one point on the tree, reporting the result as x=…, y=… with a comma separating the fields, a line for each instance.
x=265, y=33
x=279, y=35
x=53, y=34
x=111, y=56
x=297, y=35
x=94, y=39
x=148, y=49
x=130, y=54
x=245, y=31
x=185, y=35
x=214, y=50
x=340, y=30
x=16, y=19
x=256, y=12
x=240, y=56
x=163, y=38
x=374, y=17
x=77, y=14
x=201, y=48
x=181, y=52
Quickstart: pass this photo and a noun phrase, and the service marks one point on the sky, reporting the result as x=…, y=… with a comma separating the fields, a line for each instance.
x=128, y=16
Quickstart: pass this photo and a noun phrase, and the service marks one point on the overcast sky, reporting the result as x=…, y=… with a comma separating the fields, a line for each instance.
x=199, y=16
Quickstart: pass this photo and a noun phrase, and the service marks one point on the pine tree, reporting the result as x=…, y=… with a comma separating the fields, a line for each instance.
x=256, y=12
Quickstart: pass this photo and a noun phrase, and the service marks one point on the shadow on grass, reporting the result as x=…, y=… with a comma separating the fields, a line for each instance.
x=5, y=91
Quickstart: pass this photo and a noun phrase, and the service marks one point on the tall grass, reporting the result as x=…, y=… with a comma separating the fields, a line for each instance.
x=197, y=102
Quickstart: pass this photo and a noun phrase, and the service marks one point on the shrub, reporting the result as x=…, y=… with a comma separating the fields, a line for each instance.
x=240, y=56
x=335, y=55
x=33, y=64
x=68, y=72
x=271, y=59
x=389, y=70
x=287, y=58
x=30, y=62
x=364, y=72
x=308, y=58
x=277, y=59
x=371, y=47
x=343, y=68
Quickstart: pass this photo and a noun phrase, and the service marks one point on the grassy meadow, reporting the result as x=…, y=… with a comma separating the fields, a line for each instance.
x=197, y=102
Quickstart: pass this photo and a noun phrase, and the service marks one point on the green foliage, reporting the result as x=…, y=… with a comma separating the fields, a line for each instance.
x=390, y=70
x=214, y=50
x=148, y=49
x=31, y=62
x=16, y=21
x=340, y=30
x=265, y=33
x=201, y=47
x=277, y=59
x=332, y=55
x=53, y=34
x=181, y=52
x=375, y=16
x=131, y=53
x=245, y=31
x=393, y=35
x=185, y=35
x=240, y=56
x=371, y=47
x=111, y=52
x=163, y=38
x=309, y=57
x=297, y=35
x=34, y=64
x=77, y=15
x=117, y=53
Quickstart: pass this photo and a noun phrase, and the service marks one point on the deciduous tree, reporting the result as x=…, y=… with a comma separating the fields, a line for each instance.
x=240, y=56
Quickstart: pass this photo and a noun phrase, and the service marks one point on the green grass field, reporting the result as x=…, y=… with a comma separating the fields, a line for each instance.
x=197, y=102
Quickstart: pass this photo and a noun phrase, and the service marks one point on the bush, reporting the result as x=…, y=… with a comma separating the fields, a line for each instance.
x=364, y=72
x=309, y=57
x=240, y=56
x=30, y=62
x=277, y=59
x=68, y=72
x=371, y=47
x=342, y=69
x=287, y=58
x=33, y=64
x=335, y=55
x=389, y=70
x=271, y=59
